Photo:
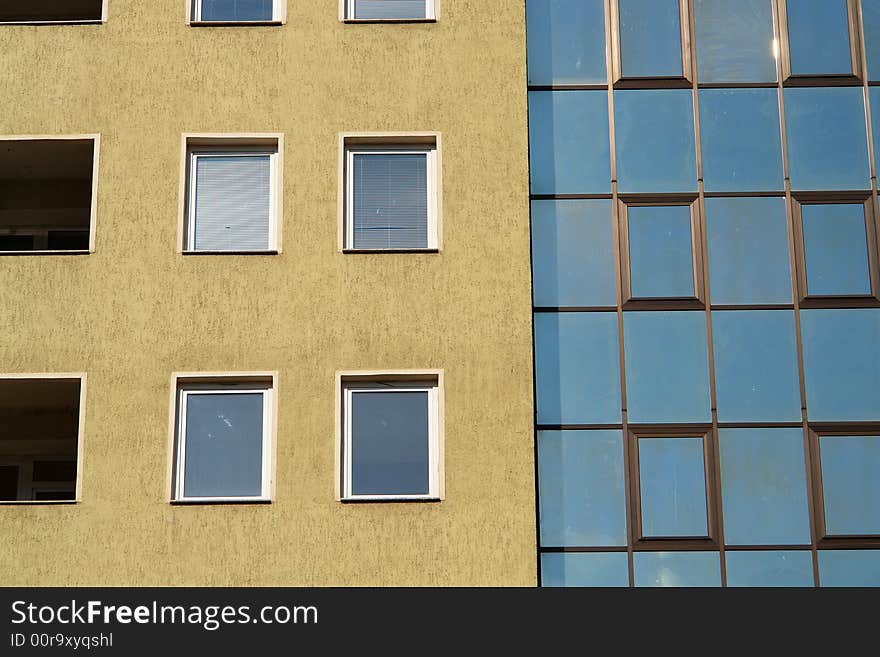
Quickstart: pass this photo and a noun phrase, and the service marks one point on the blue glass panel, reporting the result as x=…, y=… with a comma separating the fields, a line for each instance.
x=577, y=368
x=389, y=435
x=224, y=445
x=667, y=366
x=566, y=41
x=584, y=569
x=836, y=249
x=764, y=487
x=842, y=364
x=660, y=254
x=827, y=138
x=655, y=141
x=748, y=250
x=569, y=148
x=871, y=28
x=672, y=487
x=818, y=34
x=742, y=150
x=735, y=41
x=236, y=10
x=770, y=568
x=581, y=488
x=677, y=568
x=573, y=253
x=874, y=99
x=851, y=484
x=756, y=372
x=849, y=567
x=650, y=38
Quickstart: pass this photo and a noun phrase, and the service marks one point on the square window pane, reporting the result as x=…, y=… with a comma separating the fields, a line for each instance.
x=756, y=372
x=577, y=368
x=827, y=138
x=764, y=487
x=236, y=10
x=650, y=38
x=748, y=250
x=389, y=9
x=842, y=364
x=232, y=202
x=674, y=569
x=849, y=567
x=769, y=568
x=223, y=445
x=735, y=41
x=584, y=569
x=569, y=147
x=566, y=41
x=390, y=201
x=871, y=27
x=581, y=488
x=818, y=35
x=661, y=258
x=742, y=149
x=655, y=141
x=667, y=366
x=390, y=443
x=672, y=487
x=851, y=484
x=573, y=253
x=835, y=249
x=874, y=99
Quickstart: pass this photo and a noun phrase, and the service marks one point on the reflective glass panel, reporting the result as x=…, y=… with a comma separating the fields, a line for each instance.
x=851, y=484
x=739, y=132
x=748, y=250
x=667, y=366
x=236, y=10
x=769, y=568
x=569, y=148
x=835, y=249
x=581, y=488
x=584, y=569
x=735, y=41
x=577, y=368
x=672, y=487
x=818, y=36
x=661, y=259
x=573, y=253
x=756, y=372
x=677, y=569
x=650, y=38
x=871, y=28
x=849, y=567
x=566, y=41
x=764, y=487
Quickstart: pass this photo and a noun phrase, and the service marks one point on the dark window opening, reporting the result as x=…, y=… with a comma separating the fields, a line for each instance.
x=63, y=11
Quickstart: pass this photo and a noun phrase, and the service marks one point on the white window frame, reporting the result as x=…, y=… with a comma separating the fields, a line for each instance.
x=348, y=12
x=230, y=387
x=430, y=152
x=194, y=153
x=279, y=11
x=393, y=385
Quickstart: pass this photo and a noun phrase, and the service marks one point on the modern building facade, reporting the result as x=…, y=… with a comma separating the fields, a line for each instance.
x=440, y=292
x=707, y=329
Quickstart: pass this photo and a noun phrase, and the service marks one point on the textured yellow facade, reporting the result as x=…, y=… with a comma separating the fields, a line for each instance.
x=136, y=310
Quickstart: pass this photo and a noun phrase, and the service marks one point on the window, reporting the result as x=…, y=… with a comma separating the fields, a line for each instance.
x=769, y=568
x=836, y=249
x=237, y=11
x=660, y=252
x=735, y=41
x=223, y=447
x=820, y=37
x=871, y=26
x=849, y=568
x=42, y=419
x=677, y=569
x=584, y=569
x=49, y=191
x=566, y=42
x=390, y=10
x=53, y=11
x=232, y=194
x=649, y=39
x=391, y=193
x=391, y=436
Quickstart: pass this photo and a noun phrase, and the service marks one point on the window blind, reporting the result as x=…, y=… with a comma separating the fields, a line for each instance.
x=379, y=9
x=390, y=201
x=236, y=10
x=232, y=203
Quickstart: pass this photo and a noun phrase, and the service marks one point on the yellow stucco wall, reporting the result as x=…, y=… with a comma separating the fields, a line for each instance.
x=135, y=311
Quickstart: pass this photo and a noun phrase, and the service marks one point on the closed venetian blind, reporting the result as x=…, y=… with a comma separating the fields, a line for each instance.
x=232, y=203
x=378, y=9
x=390, y=201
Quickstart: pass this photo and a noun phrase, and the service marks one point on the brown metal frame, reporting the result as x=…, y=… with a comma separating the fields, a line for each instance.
x=808, y=300
x=824, y=540
x=630, y=302
x=854, y=77
x=623, y=82
x=641, y=542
